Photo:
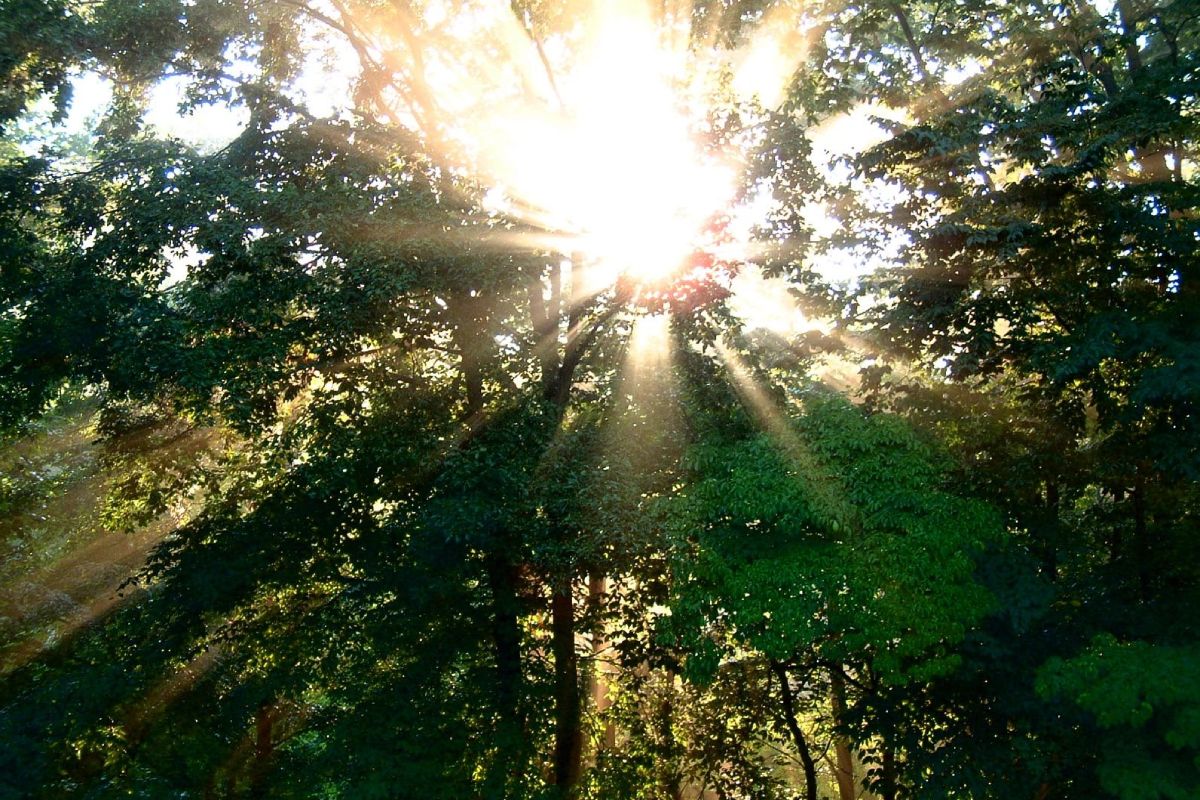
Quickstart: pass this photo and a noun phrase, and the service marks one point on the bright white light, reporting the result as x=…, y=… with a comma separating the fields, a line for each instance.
x=766, y=303
x=618, y=165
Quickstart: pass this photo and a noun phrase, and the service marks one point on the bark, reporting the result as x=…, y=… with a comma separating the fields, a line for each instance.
x=557, y=378
x=889, y=772
x=264, y=749
x=1133, y=56
x=913, y=47
x=597, y=689
x=468, y=315
x=558, y=374
x=1140, y=538
x=577, y=346
x=1098, y=68
x=1152, y=160
x=506, y=639
x=841, y=744
x=789, y=717
x=544, y=314
x=568, y=735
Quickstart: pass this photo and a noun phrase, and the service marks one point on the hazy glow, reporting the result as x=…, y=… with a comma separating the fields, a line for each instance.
x=766, y=303
x=618, y=165
x=852, y=132
x=648, y=344
x=764, y=66
x=591, y=132
x=592, y=135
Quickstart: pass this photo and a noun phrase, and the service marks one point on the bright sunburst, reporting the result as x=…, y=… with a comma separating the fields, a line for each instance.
x=597, y=134
x=614, y=159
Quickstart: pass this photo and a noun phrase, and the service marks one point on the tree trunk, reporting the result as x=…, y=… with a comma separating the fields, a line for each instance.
x=789, y=717
x=264, y=748
x=841, y=744
x=1153, y=160
x=545, y=315
x=889, y=772
x=506, y=639
x=568, y=738
x=597, y=689
x=469, y=317
x=1140, y=538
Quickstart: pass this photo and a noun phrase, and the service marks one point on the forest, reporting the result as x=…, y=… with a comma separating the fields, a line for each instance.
x=600, y=399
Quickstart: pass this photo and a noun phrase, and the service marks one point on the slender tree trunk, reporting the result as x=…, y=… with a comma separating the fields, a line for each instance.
x=557, y=376
x=793, y=726
x=889, y=771
x=568, y=737
x=469, y=318
x=508, y=767
x=545, y=314
x=597, y=689
x=841, y=744
x=1140, y=538
x=506, y=639
x=913, y=46
x=1133, y=57
x=264, y=749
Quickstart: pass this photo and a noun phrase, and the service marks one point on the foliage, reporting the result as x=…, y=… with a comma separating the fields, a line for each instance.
x=418, y=516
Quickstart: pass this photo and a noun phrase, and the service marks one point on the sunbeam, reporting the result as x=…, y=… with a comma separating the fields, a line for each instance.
x=649, y=346
x=764, y=66
x=44, y=607
x=828, y=497
x=646, y=412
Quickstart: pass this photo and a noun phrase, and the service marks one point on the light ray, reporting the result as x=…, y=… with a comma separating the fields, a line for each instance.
x=170, y=687
x=649, y=351
x=828, y=496
x=764, y=66
x=766, y=303
x=49, y=605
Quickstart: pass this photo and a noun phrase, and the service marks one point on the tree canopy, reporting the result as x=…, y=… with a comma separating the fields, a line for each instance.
x=724, y=399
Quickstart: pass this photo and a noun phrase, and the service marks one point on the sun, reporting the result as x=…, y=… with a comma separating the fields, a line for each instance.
x=644, y=216
x=614, y=159
x=642, y=189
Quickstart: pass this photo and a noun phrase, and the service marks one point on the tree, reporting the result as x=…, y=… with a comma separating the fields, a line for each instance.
x=1048, y=203
x=826, y=549
x=395, y=374
x=480, y=520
